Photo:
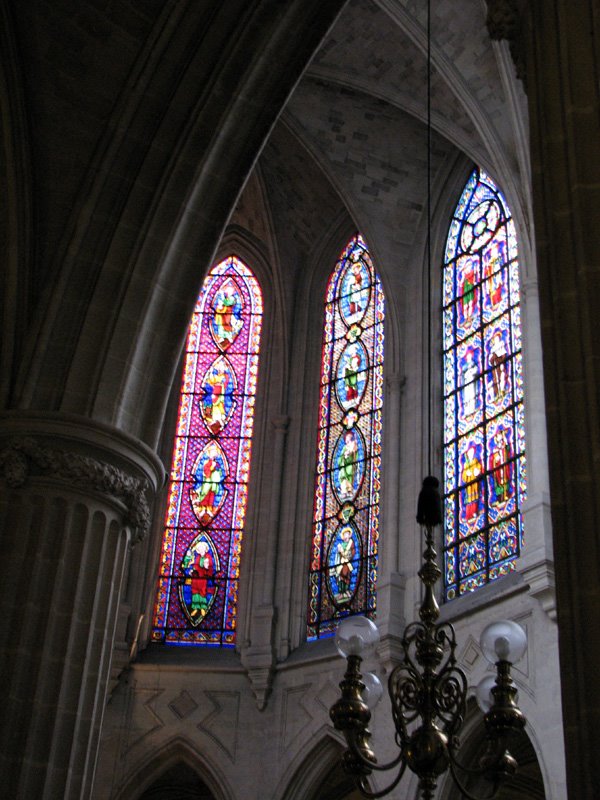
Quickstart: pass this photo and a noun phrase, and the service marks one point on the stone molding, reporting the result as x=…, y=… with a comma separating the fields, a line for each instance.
x=26, y=456
x=541, y=580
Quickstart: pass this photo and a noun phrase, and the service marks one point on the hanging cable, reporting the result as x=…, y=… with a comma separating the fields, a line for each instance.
x=428, y=281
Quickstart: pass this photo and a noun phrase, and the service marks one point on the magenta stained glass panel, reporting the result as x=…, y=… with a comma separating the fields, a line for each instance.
x=200, y=558
x=484, y=440
x=343, y=564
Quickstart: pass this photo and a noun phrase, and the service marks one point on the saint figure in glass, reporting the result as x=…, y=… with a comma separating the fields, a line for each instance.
x=343, y=566
x=484, y=440
x=200, y=559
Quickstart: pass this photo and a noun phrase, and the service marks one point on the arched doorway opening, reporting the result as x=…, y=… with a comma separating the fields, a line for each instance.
x=526, y=784
x=179, y=782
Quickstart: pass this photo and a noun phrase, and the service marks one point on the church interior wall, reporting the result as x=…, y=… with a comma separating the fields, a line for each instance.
x=311, y=202
x=171, y=163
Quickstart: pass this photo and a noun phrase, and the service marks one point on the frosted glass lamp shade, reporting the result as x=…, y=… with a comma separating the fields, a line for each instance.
x=503, y=641
x=356, y=636
x=485, y=698
x=373, y=690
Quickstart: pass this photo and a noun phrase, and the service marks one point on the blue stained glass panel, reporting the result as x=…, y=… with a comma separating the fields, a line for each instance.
x=343, y=565
x=484, y=437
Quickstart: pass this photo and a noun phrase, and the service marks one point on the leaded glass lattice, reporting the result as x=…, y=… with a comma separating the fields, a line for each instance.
x=200, y=558
x=484, y=441
x=343, y=565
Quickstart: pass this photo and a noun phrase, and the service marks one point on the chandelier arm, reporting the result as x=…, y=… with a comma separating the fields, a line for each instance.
x=446, y=629
x=351, y=740
x=450, y=697
x=411, y=632
x=404, y=686
x=362, y=784
x=468, y=795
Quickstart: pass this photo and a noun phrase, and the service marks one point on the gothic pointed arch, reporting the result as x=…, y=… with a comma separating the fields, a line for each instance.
x=317, y=772
x=175, y=770
x=179, y=782
x=343, y=563
x=200, y=559
x=484, y=436
x=527, y=783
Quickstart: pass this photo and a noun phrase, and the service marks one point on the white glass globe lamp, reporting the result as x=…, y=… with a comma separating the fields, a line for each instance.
x=373, y=691
x=483, y=693
x=356, y=636
x=503, y=641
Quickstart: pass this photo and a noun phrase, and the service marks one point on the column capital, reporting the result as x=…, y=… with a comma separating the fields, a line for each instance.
x=83, y=455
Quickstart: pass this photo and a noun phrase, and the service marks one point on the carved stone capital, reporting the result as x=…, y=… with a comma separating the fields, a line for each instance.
x=505, y=21
x=83, y=455
x=26, y=456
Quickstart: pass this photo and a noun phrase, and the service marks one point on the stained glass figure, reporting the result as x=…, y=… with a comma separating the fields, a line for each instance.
x=343, y=564
x=484, y=440
x=200, y=559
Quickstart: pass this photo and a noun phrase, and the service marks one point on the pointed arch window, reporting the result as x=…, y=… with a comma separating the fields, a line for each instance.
x=343, y=565
x=200, y=558
x=484, y=439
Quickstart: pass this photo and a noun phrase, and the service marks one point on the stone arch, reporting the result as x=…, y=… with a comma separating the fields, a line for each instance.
x=139, y=216
x=318, y=769
x=163, y=762
x=527, y=783
x=179, y=782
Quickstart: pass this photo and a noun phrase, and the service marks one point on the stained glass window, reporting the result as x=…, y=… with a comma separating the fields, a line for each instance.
x=200, y=558
x=484, y=441
x=343, y=565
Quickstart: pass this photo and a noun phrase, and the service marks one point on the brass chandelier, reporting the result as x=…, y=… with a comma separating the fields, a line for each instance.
x=428, y=690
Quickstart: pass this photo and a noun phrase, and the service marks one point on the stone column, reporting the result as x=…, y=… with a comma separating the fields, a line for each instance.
x=73, y=496
x=556, y=45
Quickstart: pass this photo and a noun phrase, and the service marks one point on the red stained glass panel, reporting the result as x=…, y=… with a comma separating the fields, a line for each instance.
x=200, y=559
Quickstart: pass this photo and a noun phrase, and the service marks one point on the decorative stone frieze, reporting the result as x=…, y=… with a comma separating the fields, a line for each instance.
x=25, y=456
